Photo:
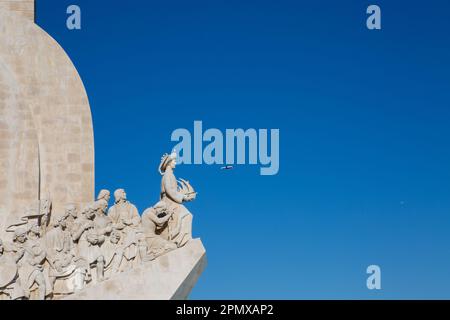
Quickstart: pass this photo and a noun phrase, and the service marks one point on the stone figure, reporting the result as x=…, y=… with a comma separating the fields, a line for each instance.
x=104, y=194
x=59, y=244
x=62, y=256
x=108, y=238
x=89, y=243
x=154, y=223
x=31, y=264
x=71, y=217
x=180, y=224
x=114, y=253
x=126, y=219
x=10, y=285
x=103, y=223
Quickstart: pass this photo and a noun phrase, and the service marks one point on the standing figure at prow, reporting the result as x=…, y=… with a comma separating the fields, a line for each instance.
x=174, y=193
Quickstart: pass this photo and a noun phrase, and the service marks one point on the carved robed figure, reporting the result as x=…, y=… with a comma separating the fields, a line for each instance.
x=174, y=193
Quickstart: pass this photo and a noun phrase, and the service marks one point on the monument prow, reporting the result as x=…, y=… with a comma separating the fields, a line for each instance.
x=101, y=253
x=56, y=240
x=168, y=277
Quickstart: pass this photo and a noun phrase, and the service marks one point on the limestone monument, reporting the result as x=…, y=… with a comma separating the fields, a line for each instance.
x=46, y=133
x=56, y=240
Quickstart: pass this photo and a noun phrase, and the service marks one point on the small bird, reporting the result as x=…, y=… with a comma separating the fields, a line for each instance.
x=227, y=168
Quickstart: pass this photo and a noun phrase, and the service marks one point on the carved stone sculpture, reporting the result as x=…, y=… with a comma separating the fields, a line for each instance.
x=10, y=285
x=71, y=215
x=114, y=253
x=31, y=265
x=64, y=263
x=88, y=242
x=174, y=193
x=107, y=240
x=126, y=219
x=154, y=223
x=104, y=194
x=53, y=256
x=47, y=161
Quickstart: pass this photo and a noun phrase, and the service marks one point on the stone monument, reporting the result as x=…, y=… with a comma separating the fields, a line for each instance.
x=56, y=241
x=46, y=134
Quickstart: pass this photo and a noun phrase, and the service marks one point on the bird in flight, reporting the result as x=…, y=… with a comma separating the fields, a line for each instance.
x=227, y=168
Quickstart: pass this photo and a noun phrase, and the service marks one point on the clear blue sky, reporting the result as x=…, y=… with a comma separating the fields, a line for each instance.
x=364, y=134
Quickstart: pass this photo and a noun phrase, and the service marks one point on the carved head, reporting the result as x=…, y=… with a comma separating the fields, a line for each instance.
x=55, y=223
x=160, y=208
x=168, y=161
x=61, y=221
x=172, y=164
x=71, y=210
x=90, y=213
x=101, y=206
x=104, y=194
x=20, y=235
x=34, y=231
x=120, y=195
x=115, y=237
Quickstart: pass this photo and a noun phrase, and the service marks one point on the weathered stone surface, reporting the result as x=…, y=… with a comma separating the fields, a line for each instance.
x=46, y=133
x=23, y=7
x=19, y=152
x=171, y=276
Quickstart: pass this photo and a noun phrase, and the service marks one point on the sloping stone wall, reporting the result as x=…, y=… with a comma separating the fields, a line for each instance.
x=23, y=7
x=46, y=133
